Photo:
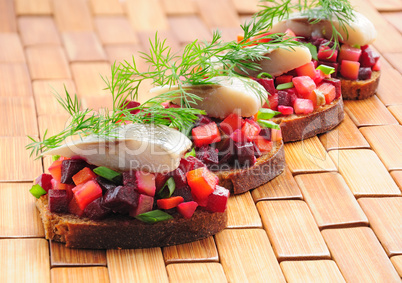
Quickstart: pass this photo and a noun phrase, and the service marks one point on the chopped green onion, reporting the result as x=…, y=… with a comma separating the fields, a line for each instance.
x=356, y=46
x=285, y=86
x=268, y=124
x=264, y=75
x=108, y=174
x=154, y=216
x=327, y=70
x=266, y=113
x=313, y=50
x=55, y=157
x=170, y=185
x=37, y=191
x=190, y=153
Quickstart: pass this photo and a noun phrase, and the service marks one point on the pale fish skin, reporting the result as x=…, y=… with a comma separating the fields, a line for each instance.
x=224, y=96
x=145, y=147
x=359, y=32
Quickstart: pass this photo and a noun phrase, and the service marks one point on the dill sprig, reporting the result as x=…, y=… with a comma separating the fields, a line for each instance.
x=316, y=11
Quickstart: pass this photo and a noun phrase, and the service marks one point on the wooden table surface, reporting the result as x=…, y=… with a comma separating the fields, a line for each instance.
x=335, y=215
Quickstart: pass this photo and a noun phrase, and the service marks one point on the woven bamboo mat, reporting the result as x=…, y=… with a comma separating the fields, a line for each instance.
x=335, y=215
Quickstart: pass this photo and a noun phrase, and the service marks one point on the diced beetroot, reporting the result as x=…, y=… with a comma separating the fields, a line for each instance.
x=337, y=84
x=121, y=199
x=266, y=133
x=69, y=168
x=129, y=178
x=263, y=145
x=273, y=102
x=364, y=47
x=168, y=203
x=350, y=69
x=245, y=153
x=190, y=163
x=202, y=120
x=44, y=181
x=56, y=185
x=74, y=208
x=330, y=64
x=283, y=79
x=206, y=134
x=86, y=193
x=377, y=66
x=254, y=123
x=237, y=136
x=257, y=151
x=329, y=92
x=319, y=77
x=217, y=201
x=303, y=106
x=306, y=70
x=249, y=131
x=285, y=110
x=285, y=98
x=179, y=178
x=160, y=179
x=187, y=209
x=369, y=57
x=58, y=201
x=227, y=158
x=208, y=154
x=350, y=53
x=84, y=176
x=365, y=73
x=55, y=170
x=304, y=86
x=145, y=183
x=325, y=53
x=268, y=84
x=184, y=192
x=202, y=183
x=231, y=123
x=96, y=210
x=105, y=184
x=145, y=204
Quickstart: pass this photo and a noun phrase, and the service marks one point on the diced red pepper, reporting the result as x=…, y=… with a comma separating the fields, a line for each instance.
x=202, y=183
x=217, y=201
x=231, y=123
x=325, y=53
x=273, y=102
x=263, y=144
x=285, y=110
x=86, y=193
x=45, y=181
x=350, y=53
x=168, y=203
x=249, y=131
x=206, y=134
x=350, y=69
x=283, y=79
x=306, y=70
x=145, y=183
x=84, y=176
x=187, y=209
x=329, y=92
x=303, y=106
x=55, y=170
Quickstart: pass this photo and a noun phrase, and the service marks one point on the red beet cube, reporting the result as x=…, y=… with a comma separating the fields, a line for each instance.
x=337, y=84
x=105, y=184
x=283, y=79
x=365, y=73
x=129, y=178
x=208, y=155
x=145, y=204
x=187, y=209
x=179, y=178
x=304, y=86
x=268, y=84
x=44, y=181
x=303, y=106
x=86, y=193
x=285, y=110
x=160, y=180
x=132, y=104
x=266, y=133
x=206, y=134
x=217, y=201
x=250, y=130
x=96, y=211
x=190, y=163
x=245, y=153
x=202, y=120
x=284, y=98
x=368, y=58
x=121, y=199
x=273, y=102
x=69, y=168
x=58, y=201
x=325, y=53
x=231, y=123
x=74, y=208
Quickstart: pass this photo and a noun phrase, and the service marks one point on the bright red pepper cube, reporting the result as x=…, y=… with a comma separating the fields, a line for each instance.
x=84, y=176
x=325, y=53
x=249, y=131
x=285, y=110
x=217, y=201
x=307, y=70
x=350, y=53
x=168, y=203
x=202, y=182
x=86, y=193
x=231, y=123
x=55, y=170
x=273, y=102
x=206, y=134
x=303, y=106
x=304, y=86
x=283, y=79
x=145, y=183
x=187, y=209
x=350, y=69
x=44, y=181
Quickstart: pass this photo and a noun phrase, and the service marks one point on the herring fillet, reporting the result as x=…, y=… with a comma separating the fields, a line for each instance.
x=359, y=32
x=224, y=96
x=146, y=147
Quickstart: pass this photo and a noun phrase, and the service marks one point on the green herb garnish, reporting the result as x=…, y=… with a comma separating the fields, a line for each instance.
x=284, y=86
x=313, y=50
x=268, y=124
x=167, y=189
x=327, y=70
x=266, y=113
x=190, y=153
x=55, y=157
x=37, y=191
x=108, y=174
x=154, y=216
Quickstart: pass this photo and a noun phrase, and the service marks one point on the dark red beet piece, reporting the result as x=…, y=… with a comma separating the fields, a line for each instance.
x=284, y=98
x=202, y=120
x=190, y=163
x=257, y=152
x=129, y=178
x=105, y=184
x=160, y=180
x=184, y=192
x=337, y=84
x=45, y=181
x=368, y=58
x=132, y=104
x=73, y=208
x=121, y=199
x=179, y=177
x=58, y=201
x=207, y=154
x=245, y=153
x=69, y=168
x=96, y=211
x=266, y=133
x=365, y=73
x=217, y=201
x=268, y=84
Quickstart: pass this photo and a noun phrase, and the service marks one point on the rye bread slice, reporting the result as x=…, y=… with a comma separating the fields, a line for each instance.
x=298, y=127
x=352, y=90
x=125, y=232
x=265, y=169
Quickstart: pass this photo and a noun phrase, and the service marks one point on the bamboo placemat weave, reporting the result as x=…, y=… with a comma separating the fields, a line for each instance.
x=334, y=215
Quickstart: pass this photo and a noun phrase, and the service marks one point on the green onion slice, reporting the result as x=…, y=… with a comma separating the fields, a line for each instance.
x=167, y=189
x=266, y=113
x=37, y=191
x=284, y=86
x=154, y=216
x=264, y=75
x=313, y=50
x=55, y=157
x=326, y=69
x=268, y=124
x=190, y=153
x=108, y=174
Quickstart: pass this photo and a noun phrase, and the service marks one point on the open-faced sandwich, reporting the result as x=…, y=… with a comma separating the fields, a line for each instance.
x=337, y=36
x=158, y=173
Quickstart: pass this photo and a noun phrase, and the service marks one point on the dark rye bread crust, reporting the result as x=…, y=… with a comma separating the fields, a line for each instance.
x=125, y=232
x=299, y=127
x=352, y=90
x=265, y=169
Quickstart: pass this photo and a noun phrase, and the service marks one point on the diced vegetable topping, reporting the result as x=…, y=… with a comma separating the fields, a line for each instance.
x=168, y=203
x=45, y=181
x=349, y=53
x=55, y=170
x=328, y=90
x=187, y=209
x=145, y=183
x=145, y=204
x=168, y=189
x=84, y=176
x=325, y=53
x=86, y=193
x=58, y=201
x=306, y=70
x=285, y=110
x=217, y=201
x=37, y=191
x=350, y=69
x=202, y=182
x=108, y=174
x=154, y=216
x=303, y=106
x=263, y=144
x=304, y=86
x=206, y=134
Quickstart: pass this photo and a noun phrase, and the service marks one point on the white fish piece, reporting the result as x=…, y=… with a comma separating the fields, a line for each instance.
x=359, y=32
x=225, y=96
x=146, y=147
